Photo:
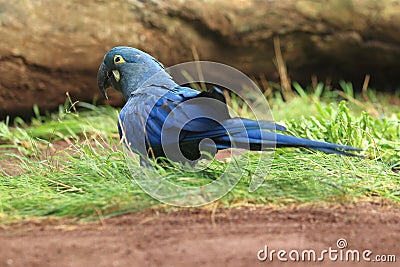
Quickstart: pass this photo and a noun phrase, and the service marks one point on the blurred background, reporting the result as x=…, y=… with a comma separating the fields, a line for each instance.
x=50, y=47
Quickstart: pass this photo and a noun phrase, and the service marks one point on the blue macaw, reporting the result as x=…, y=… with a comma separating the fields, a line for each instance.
x=160, y=116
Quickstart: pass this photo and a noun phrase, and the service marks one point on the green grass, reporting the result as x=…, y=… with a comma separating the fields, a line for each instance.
x=89, y=177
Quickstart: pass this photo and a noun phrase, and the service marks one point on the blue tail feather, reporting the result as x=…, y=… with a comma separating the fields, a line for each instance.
x=234, y=126
x=257, y=135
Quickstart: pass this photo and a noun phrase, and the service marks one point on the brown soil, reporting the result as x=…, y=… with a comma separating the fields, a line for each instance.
x=203, y=237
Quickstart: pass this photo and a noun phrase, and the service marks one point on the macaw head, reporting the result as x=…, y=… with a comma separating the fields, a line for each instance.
x=126, y=69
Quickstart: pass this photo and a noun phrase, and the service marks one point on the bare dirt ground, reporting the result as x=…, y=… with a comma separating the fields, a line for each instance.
x=205, y=237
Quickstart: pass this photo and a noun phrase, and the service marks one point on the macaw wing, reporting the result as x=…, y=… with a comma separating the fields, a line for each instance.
x=189, y=110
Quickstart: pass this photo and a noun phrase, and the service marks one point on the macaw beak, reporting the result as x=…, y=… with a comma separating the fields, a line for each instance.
x=103, y=79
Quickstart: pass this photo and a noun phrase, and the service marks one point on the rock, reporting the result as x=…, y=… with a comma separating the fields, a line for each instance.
x=50, y=47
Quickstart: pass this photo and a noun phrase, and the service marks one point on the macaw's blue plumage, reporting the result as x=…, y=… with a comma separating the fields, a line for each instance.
x=163, y=119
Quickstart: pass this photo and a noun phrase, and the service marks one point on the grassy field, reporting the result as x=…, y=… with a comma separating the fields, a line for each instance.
x=70, y=163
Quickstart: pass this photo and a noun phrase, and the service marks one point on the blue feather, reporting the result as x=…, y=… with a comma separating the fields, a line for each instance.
x=159, y=113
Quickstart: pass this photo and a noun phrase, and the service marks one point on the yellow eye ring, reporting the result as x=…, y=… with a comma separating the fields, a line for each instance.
x=118, y=59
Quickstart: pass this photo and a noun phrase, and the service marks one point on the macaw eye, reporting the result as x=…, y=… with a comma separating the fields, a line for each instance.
x=118, y=59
